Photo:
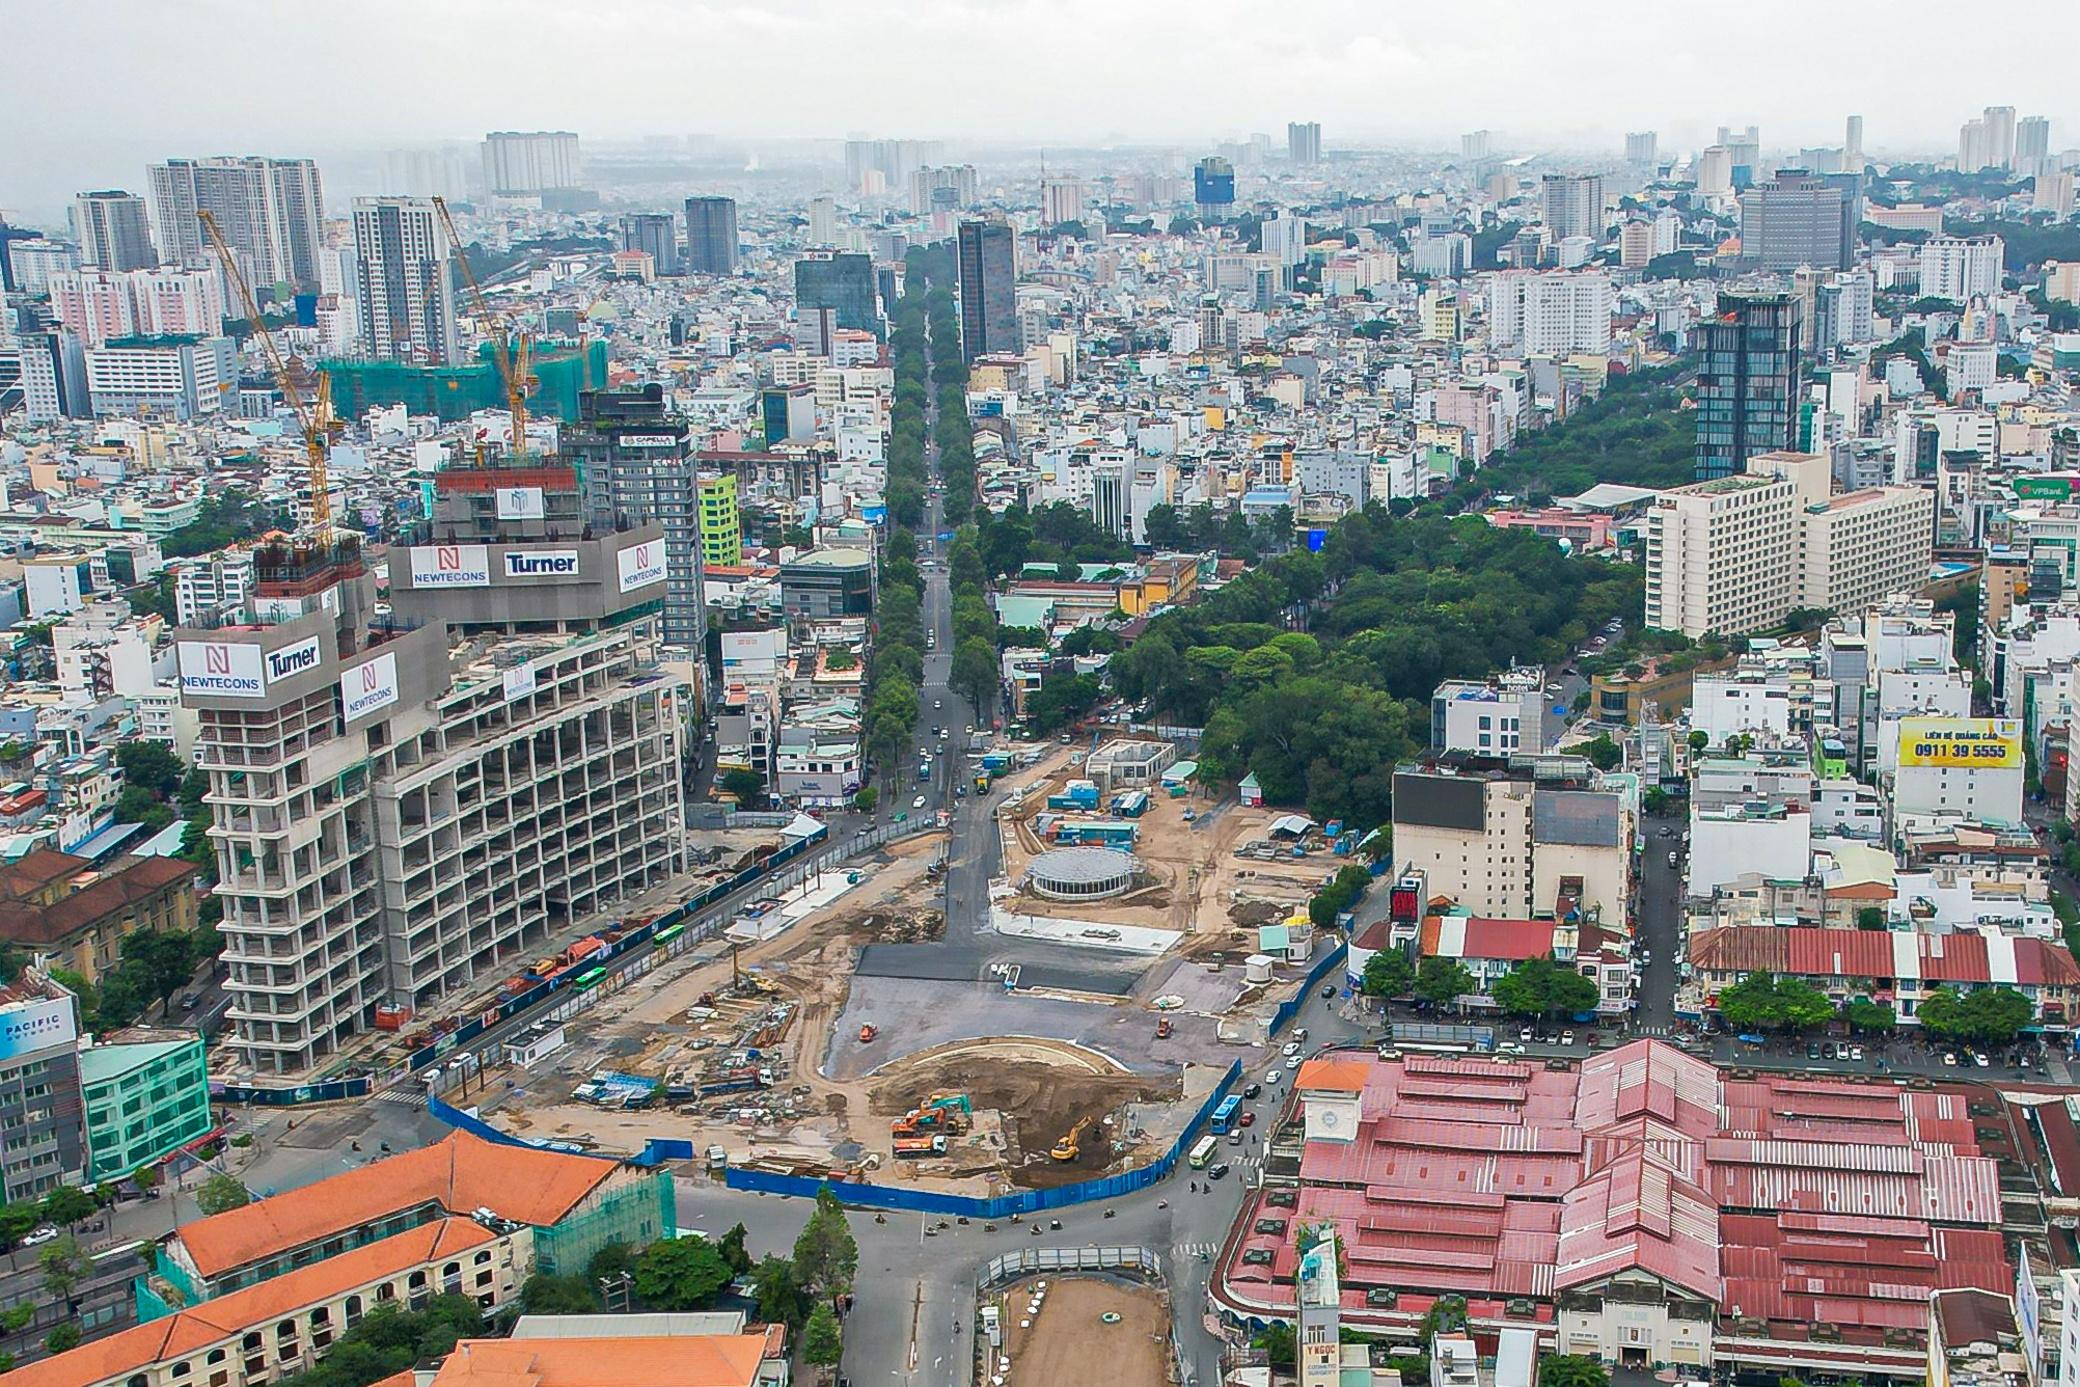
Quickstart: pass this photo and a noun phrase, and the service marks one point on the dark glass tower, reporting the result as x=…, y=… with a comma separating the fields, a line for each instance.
x=711, y=236
x=986, y=263
x=1747, y=381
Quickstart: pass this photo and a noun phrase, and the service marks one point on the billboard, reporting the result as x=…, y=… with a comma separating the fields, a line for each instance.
x=221, y=669
x=520, y=503
x=519, y=682
x=641, y=564
x=1961, y=743
x=369, y=687
x=37, y=1025
x=451, y=566
x=647, y=440
x=292, y=660
x=1440, y=801
x=540, y=563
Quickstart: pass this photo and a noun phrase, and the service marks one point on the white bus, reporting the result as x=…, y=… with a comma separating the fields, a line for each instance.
x=1201, y=1153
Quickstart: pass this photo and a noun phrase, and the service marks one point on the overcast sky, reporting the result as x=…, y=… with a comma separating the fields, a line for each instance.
x=94, y=88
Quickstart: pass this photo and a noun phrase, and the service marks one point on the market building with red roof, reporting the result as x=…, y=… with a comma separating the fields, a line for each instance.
x=1641, y=1206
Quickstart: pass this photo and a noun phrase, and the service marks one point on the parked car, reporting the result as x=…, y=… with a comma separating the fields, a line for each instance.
x=1291, y=1047
x=917, y=803
x=1567, y=1037
x=40, y=1236
x=1252, y=1090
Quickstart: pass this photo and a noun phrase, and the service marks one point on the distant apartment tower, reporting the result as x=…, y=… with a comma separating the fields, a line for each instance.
x=948, y=189
x=520, y=162
x=1550, y=314
x=1961, y=268
x=1213, y=186
x=842, y=281
x=1061, y=199
x=1797, y=219
x=2000, y=135
x=2033, y=146
x=404, y=288
x=1304, y=142
x=986, y=264
x=711, y=236
x=880, y=166
x=636, y=464
x=1573, y=205
x=1747, y=380
x=1475, y=145
x=1642, y=147
x=1852, y=145
x=113, y=231
x=269, y=210
x=1743, y=152
x=656, y=234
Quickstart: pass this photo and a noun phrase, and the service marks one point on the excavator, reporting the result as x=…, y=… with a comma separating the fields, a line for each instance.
x=1070, y=1147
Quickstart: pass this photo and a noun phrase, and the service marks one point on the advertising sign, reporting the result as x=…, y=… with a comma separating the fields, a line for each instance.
x=292, y=660
x=36, y=1026
x=647, y=440
x=520, y=503
x=641, y=564
x=519, y=682
x=369, y=686
x=541, y=563
x=221, y=669
x=451, y=566
x=1961, y=743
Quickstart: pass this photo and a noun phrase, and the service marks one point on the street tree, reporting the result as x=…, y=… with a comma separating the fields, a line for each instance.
x=1572, y=1370
x=974, y=672
x=826, y=1256
x=823, y=1343
x=1388, y=973
x=779, y=1294
x=1543, y=987
x=680, y=1273
x=222, y=1193
x=1986, y=1015
x=1442, y=981
x=1764, y=1001
x=1869, y=1017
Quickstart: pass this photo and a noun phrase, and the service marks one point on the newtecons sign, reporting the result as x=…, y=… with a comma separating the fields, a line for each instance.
x=641, y=564
x=221, y=669
x=1993, y=744
x=368, y=687
x=451, y=566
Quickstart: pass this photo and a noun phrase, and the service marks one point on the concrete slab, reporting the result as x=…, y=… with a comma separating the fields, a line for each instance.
x=1084, y=934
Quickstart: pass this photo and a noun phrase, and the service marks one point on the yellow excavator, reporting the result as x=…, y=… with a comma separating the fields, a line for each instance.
x=1068, y=1148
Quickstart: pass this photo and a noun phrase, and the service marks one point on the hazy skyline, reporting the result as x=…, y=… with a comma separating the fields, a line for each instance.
x=102, y=86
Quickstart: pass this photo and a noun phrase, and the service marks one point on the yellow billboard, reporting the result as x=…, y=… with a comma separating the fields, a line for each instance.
x=1961, y=743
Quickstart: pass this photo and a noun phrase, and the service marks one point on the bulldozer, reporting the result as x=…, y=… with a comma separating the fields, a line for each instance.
x=1070, y=1147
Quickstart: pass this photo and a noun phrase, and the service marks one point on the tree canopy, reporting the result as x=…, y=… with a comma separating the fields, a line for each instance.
x=1543, y=987
x=1987, y=1015
x=1764, y=1001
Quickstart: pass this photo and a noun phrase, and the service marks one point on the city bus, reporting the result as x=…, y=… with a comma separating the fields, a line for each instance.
x=1202, y=1153
x=1224, y=1115
x=589, y=978
x=668, y=934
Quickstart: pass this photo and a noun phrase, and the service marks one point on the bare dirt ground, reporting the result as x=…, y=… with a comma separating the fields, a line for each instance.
x=1069, y=1341
x=1030, y=1093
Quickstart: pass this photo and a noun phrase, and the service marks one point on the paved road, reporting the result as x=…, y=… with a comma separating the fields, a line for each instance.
x=1660, y=919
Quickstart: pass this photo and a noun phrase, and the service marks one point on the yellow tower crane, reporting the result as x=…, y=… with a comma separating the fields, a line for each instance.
x=314, y=417
x=510, y=348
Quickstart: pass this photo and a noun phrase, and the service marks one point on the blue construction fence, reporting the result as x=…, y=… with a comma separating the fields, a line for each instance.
x=1290, y=1008
x=331, y=1091
x=634, y=939
x=1003, y=1206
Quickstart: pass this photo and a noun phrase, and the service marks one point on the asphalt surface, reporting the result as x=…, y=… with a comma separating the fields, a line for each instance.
x=1660, y=927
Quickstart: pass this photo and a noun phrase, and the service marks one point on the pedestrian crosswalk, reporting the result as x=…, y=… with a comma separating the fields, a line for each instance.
x=1197, y=1249
x=403, y=1094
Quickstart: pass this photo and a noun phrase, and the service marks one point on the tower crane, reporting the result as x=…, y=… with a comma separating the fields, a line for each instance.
x=314, y=417
x=510, y=348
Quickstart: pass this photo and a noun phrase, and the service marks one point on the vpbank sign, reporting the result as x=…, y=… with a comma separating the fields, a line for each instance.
x=641, y=565
x=451, y=566
x=221, y=669
x=368, y=687
x=292, y=660
x=541, y=563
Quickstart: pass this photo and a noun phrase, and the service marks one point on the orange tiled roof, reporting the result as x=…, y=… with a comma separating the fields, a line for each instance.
x=213, y=1321
x=461, y=1173
x=685, y=1360
x=1347, y=1076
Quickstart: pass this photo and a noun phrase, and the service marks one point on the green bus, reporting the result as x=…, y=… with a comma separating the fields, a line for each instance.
x=589, y=979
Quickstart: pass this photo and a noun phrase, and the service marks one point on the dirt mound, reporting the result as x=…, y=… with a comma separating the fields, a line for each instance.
x=1250, y=914
x=900, y=926
x=1039, y=1103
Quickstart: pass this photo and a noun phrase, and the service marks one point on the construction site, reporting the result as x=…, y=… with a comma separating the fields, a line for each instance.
x=1076, y=1328
x=768, y=1046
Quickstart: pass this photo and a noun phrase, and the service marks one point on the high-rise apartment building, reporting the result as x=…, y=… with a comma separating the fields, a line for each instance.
x=518, y=163
x=1550, y=314
x=635, y=462
x=113, y=231
x=2000, y=136
x=1475, y=145
x=878, y=166
x=1747, y=380
x=986, y=264
x=1715, y=171
x=823, y=220
x=1852, y=145
x=404, y=287
x=721, y=524
x=2033, y=146
x=1796, y=219
x=1061, y=199
x=711, y=236
x=1573, y=205
x=1740, y=552
x=1961, y=268
x=1642, y=147
x=1304, y=142
x=844, y=282
x=269, y=210
x=656, y=234
x=1213, y=186
x=948, y=189
x=398, y=813
x=100, y=305
x=1743, y=151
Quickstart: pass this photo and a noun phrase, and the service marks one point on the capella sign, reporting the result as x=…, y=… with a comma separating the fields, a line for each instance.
x=541, y=563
